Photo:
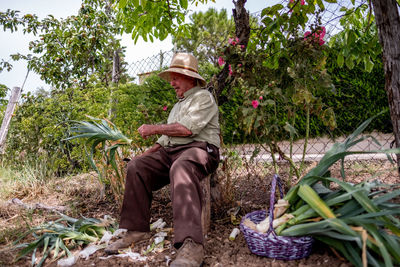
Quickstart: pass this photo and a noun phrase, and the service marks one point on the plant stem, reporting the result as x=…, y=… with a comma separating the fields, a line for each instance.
x=276, y=168
x=275, y=148
x=289, y=182
x=306, y=138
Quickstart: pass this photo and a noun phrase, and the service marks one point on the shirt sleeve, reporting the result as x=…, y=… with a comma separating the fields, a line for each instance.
x=163, y=140
x=199, y=113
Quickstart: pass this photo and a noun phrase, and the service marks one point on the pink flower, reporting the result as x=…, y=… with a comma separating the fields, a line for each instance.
x=302, y=2
x=254, y=103
x=260, y=97
x=317, y=36
x=233, y=41
x=221, y=61
x=165, y=108
x=230, y=70
x=322, y=32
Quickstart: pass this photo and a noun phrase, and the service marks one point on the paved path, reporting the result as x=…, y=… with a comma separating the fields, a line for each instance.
x=317, y=147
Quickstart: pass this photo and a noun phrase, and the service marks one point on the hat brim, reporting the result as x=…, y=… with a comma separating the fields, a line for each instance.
x=166, y=75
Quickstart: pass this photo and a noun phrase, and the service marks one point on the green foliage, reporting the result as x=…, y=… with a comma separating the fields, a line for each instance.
x=230, y=118
x=154, y=19
x=278, y=89
x=209, y=31
x=3, y=93
x=291, y=73
x=358, y=43
x=358, y=96
x=40, y=124
x=42, y=120
x=69, y=50
x=142, y=104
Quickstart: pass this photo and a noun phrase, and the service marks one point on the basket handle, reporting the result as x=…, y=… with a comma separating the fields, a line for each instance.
x=275, y=180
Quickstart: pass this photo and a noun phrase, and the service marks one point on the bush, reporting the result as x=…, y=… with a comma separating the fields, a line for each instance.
x=43, y=119
x=41, y=123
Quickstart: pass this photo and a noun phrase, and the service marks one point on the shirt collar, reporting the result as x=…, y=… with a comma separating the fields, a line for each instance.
x=190, y=92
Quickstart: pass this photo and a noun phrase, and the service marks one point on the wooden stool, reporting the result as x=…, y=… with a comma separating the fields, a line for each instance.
x=206, y=205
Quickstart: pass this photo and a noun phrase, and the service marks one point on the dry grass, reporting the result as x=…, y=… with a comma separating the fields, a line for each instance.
x=72, y=195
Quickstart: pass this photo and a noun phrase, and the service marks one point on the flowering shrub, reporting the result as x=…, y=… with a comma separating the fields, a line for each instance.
x=280, y=83
x=316, y=36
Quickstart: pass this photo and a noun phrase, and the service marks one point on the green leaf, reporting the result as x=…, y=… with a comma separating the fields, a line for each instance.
x=351, y=37
x=340, y=60
x=350, y=62
x=312, y=199
x=122, y=3
x=368, y=64
x=290, y=129
x=360, y=196
x=393, y=245
x=321, y=4
x=46, y=244
x=382, y=248
x=57, y=247
x=29, y=248
x=338, y=245
x=184, y=3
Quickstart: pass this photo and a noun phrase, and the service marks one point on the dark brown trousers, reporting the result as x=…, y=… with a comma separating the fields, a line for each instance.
x=183, y=167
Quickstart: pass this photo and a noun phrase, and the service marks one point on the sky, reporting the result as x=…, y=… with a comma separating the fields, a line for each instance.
x=17, y=42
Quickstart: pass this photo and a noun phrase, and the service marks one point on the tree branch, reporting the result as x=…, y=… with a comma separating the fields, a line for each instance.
x=242, y=24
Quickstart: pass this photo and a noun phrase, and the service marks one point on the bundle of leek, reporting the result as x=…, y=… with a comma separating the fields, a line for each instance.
x=57, y=238
x=104, y=138
x=358, y=221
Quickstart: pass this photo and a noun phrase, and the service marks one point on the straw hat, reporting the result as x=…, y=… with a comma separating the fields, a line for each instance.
x=186, y=64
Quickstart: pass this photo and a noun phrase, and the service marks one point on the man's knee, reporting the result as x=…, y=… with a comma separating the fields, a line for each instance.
x=135, y=164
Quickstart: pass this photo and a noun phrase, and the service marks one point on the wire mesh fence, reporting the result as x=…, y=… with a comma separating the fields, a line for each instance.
x=251, y=159
x=141, y=69
x=252, y=163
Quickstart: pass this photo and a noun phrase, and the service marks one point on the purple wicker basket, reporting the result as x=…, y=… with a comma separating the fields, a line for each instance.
x=269, y=244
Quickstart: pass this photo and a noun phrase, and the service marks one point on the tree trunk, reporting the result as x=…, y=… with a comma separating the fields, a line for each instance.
x=242, y=31
x=388, y=24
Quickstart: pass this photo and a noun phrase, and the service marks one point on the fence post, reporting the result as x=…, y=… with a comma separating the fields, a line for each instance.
x=7, y=117
x=114, y=79
x=116, y=67
x=161, y=59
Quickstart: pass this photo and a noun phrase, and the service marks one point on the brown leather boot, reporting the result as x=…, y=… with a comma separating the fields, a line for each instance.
x=126, y=241
x=190, y=254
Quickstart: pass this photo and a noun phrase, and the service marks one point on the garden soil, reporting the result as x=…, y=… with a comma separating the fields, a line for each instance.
x=249, y=194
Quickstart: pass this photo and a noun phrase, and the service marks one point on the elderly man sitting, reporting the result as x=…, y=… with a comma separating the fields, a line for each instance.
x=186, y=152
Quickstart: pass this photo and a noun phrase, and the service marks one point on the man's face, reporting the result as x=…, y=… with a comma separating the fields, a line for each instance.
x=181, y=83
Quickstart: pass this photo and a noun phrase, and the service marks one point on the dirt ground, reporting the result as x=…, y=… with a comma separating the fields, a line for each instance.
x=249, y=193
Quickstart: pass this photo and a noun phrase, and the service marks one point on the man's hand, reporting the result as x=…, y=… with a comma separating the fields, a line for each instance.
x=146, y=130
x=174, y=129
